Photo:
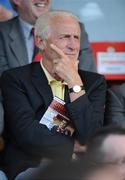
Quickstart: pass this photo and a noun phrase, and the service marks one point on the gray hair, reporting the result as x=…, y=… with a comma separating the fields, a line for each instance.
x=43, y=23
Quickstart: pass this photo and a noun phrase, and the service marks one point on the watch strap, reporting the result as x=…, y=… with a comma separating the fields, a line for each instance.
x=71, y=89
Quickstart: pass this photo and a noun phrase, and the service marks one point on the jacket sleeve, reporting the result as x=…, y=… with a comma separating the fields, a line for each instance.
x=87, y=112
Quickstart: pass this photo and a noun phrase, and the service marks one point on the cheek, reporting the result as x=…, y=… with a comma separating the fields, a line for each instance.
x=78, y=44
x=60, y=43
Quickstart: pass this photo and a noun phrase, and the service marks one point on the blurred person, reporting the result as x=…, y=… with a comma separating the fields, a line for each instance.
x=105, y=155
x=115, y=105
x=108, y=145
x=28, y=91
x=5, y=14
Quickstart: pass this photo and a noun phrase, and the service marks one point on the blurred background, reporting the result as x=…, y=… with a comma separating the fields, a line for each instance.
x=103, y=19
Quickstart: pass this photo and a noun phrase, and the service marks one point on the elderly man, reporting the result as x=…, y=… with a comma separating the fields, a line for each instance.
x=106, y=151
x=17, y=42
x=28, y=91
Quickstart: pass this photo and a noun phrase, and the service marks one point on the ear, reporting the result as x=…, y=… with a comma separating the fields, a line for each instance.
x=40, y=42
x=16, y=2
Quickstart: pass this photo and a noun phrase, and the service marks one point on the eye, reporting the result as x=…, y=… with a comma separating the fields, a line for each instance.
x=76, y=37
x=65, y=37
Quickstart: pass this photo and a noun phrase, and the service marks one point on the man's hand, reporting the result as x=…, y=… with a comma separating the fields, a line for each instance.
x=65, y=67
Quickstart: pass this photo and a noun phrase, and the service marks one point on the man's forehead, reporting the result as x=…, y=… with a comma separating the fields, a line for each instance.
x=66, y=28
x=57, y=20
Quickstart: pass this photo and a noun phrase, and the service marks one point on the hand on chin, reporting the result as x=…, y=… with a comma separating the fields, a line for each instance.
x=57, y=77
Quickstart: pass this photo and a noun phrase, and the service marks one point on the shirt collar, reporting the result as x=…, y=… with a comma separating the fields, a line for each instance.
x=26, y=27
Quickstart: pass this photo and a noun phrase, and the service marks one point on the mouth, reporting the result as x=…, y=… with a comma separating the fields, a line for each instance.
x=40, y=4
x=71, y=54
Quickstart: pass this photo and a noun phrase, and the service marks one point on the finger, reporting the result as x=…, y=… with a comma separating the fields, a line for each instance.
x=57, y=50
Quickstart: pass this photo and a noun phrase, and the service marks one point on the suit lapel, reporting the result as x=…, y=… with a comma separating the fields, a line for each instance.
x=40, y=82
x=17, y=43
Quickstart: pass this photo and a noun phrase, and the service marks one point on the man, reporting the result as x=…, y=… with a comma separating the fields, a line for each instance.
x=17, y=42
x=28, y=91
x=16, y=39
x=115, y=105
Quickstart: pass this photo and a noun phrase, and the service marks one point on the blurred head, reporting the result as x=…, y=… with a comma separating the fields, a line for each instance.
x=108, y=145
x=30, y=10
x=61, y=29
x=114, y=147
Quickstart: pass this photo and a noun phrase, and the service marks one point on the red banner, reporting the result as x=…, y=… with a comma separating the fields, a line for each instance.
x=110, y=59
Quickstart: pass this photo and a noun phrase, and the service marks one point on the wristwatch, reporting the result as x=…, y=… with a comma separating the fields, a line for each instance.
x=76, y=89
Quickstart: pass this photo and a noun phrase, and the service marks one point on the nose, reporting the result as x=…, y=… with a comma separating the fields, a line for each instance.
x=72, y=44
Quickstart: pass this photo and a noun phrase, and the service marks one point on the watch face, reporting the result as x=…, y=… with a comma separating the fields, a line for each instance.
x=76, y=88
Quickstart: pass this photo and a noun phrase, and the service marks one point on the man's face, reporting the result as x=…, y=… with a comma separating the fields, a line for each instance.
x=30, y=10
x=65, y=34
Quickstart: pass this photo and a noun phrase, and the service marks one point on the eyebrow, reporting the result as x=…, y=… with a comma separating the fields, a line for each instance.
x=68, y=35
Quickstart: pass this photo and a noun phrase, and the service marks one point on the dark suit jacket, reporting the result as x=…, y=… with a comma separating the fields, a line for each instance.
x=13, y=51
x=115, y=105
x=27, y=95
